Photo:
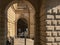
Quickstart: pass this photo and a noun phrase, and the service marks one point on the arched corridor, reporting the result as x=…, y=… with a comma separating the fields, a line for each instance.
x=20, y=21
x=14, y=10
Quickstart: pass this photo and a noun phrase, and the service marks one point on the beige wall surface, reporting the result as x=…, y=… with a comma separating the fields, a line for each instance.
x=53, y=22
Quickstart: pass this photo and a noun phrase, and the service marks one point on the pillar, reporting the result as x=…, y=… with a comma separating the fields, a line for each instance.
x=40, y=24
x=43, y=23
x=3, y=21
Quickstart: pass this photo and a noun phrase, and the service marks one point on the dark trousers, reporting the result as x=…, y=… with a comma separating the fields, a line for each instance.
x=8, y=43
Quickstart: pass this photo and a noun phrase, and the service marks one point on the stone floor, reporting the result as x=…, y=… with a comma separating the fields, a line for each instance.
x=21, y=41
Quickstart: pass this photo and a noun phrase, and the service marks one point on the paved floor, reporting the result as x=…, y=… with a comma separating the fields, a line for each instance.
x=21, y=41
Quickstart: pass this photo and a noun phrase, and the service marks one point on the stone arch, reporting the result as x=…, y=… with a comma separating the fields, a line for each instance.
x=4, y=3
x=31, y=14
x=22, y=25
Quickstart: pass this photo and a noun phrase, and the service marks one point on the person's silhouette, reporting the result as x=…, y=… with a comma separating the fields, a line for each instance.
x=8, y=43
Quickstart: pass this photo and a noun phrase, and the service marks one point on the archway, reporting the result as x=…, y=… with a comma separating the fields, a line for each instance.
x=15, y=11
x=17, y=14
x=22, y=27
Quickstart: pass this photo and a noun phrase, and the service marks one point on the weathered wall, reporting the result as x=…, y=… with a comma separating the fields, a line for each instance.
x=53, y=22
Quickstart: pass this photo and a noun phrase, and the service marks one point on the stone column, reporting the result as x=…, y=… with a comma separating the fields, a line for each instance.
x=37, y=24
x=40, y=28
x=2, y=28
x=3, y=21
x=43, y=23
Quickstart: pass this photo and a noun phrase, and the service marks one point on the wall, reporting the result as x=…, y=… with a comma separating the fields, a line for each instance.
x=11, y=22
x=53, y=22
